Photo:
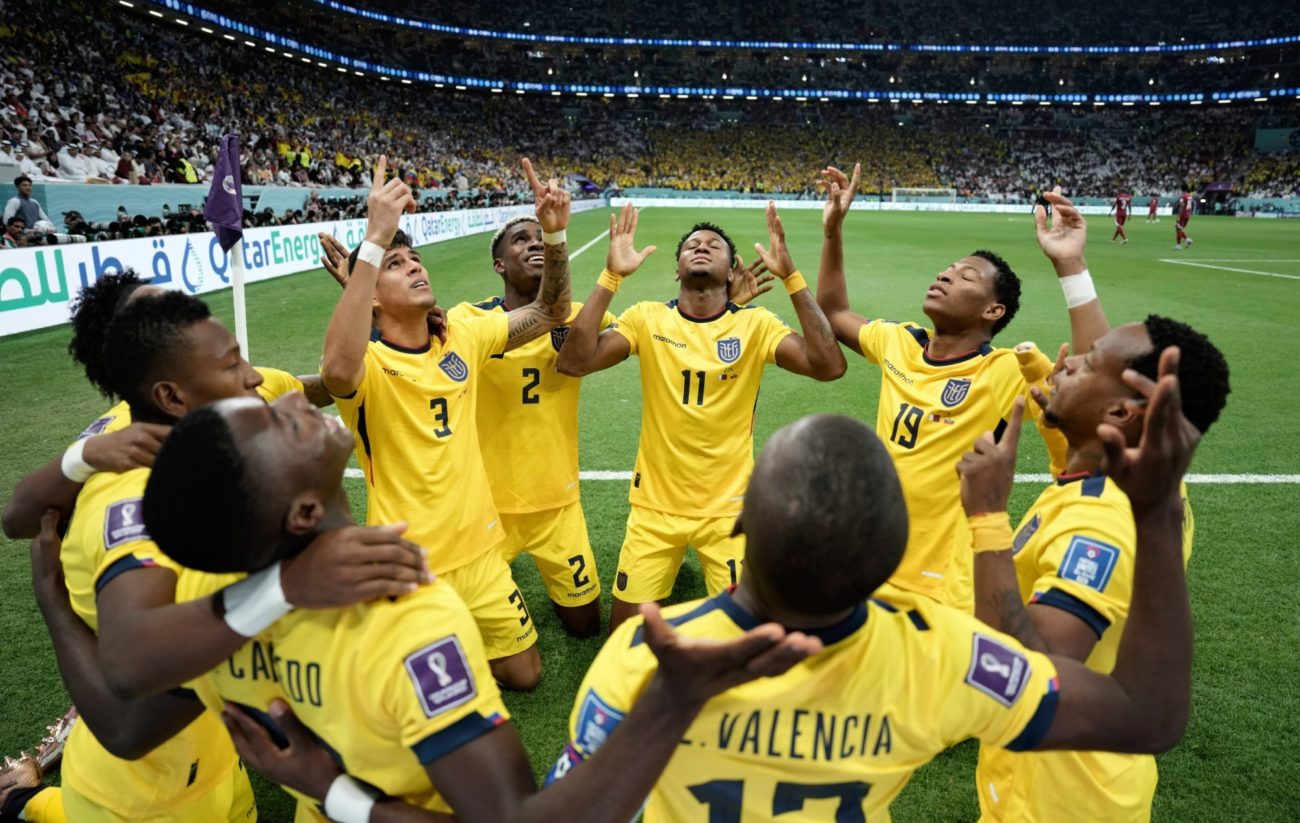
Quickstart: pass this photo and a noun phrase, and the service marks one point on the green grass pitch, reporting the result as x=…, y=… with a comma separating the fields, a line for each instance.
x=1237, y=761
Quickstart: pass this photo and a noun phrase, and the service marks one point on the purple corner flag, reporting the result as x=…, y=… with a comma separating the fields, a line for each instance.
x=225, y=207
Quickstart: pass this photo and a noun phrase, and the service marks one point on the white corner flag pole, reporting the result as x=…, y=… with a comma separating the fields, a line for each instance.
x=237, y=284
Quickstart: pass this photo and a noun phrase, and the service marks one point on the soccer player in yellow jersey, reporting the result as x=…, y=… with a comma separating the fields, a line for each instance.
x=941, y=387
x=1065, y=583
x=701, y=359
x=838, y=736
x=528, y=433
x=411, y=400
x=397, y=692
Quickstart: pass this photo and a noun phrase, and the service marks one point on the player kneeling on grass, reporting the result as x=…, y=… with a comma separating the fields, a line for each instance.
x=400, y=691
x=838, y=735
x=1065, y=583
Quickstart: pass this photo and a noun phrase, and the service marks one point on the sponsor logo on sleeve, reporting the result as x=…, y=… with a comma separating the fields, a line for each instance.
x=596, y=722
x=124, y=522
x=454, y=367
x=441, y=675
x=1026, y=531
x=1089, y=562
x=997, y=670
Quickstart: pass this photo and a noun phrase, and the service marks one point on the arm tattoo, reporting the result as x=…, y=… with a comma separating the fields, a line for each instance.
x=525, y=325
x=1013, y=618
x=555, y=274
x=813, y=320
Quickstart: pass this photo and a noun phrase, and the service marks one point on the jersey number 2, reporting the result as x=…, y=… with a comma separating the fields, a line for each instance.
x=534, y=376
x=724, y=798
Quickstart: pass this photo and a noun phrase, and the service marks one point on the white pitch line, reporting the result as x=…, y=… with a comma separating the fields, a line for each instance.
x=1228, y=268
x=1240, y=259
x=1200, y=479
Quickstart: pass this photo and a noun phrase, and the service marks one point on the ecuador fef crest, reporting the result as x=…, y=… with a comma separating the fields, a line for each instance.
x=454, y=367
x=729, y=349
x=558, y=335
x=955, y=391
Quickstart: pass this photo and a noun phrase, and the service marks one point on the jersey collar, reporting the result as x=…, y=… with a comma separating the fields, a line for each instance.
x=827, y=634
x=406, y=349
x=922, y=337
x=729, y=307
x=1063, y=479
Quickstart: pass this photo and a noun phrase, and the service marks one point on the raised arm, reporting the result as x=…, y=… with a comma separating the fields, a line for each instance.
x=1143, y=705
x=343, y=365
x=1062, y=239
x=587, y=349
x=832, y=292
x=51, y=487
x=814, y=353
x=554, y=296
x=127, y=728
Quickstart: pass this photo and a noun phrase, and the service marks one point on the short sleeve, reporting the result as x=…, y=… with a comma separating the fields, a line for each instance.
x=460, y=311
x=1087, y=572
x=771, y=331
x=488, y=333
x=992, y=688
x=433, y=675
x=276, y=383
x=629, y=325
x=349, y=405
x=610, y=689
x=875, y=336
x=127, y=544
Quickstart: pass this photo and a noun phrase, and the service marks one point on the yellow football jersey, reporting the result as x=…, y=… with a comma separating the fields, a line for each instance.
x=528, y=419
x=414, y=416
x=387, y=686
x=106, y=537
x=1075, y=550
x=839, y=734
x=275, y=383
x=699, y=382
x=931, y=412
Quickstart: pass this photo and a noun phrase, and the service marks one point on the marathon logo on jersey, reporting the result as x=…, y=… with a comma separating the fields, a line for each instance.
x=729, y=349
x=558, y=336
x=997, y=670
x=1026, y=531
x=96, y=428
x=124, y=522
x=1089, y=562
x=441, y=675
x=596, y=722
x=454, y=367
x=955, y=391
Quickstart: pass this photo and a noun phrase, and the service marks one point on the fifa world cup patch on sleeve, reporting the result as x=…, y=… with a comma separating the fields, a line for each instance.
x=1089, y=562
x=441, y=675
x=596, y=722
x=997, y=669
x=124, y=522
x=96, y=428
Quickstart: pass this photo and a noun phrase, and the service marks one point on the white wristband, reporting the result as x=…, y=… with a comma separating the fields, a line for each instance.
x=1078, y=289
x=555, y=238
x=75, y=467
x=256, y=602
x=347, y=801
x=371, y=253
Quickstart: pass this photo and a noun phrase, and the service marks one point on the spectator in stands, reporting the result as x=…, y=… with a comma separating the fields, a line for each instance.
x=23, y=205
x=15, y=236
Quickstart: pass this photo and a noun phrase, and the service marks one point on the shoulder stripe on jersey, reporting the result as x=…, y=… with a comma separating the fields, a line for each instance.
x=375, y=335
x=448, y=740
x=1000, y=430
x=712, y=604
x=1067, y=602
x=889, y=607
x=121, y=565
x=1093, y=486
x=491, y=304
x=920, y=335
x=182, y=693
x=918, y=620
x=1036, y=729
x=362, y=431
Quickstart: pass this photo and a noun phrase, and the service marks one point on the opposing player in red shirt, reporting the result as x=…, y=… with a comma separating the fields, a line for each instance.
x=1152, y=205
x=1181, y=237
x=1123, y=202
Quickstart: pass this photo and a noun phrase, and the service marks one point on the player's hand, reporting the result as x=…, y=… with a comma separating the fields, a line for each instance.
x=1041, y=397
x=134, y=447
x=303, y=765
x=1150, y=473
x=1064, y=236
x=840, y=191
x=745, y=283
x=438, y=323
x=989, y=469
x=623, y=258
x=696, y=669
x=334, y=257
x=353, y=565
x=553, y=202
x=47, y=569
x=385, y=205
x=776, y=256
